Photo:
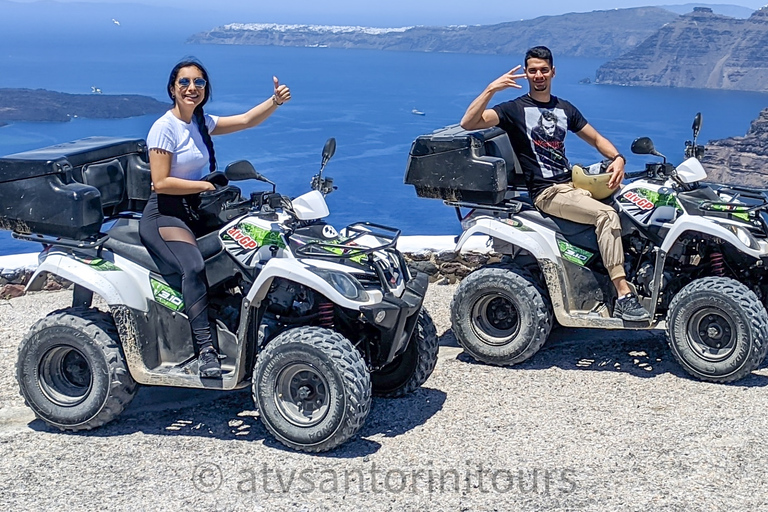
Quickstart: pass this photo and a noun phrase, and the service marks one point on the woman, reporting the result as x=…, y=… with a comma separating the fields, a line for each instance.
x=180, y=153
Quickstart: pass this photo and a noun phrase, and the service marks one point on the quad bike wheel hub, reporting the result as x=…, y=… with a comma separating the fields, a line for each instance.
x=302, y=394
x=65, y=376
x=497, y=316
x=712, y=334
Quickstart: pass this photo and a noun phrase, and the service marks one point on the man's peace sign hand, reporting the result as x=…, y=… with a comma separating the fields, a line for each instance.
x=507, y=80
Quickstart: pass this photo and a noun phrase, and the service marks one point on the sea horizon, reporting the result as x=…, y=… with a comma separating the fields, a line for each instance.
x=363, y=98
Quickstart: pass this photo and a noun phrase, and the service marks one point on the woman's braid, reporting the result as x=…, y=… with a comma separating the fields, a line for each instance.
x=200, y=118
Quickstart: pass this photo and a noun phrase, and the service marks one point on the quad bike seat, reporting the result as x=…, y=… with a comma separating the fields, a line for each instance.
x=124, y=240
x=580, y=235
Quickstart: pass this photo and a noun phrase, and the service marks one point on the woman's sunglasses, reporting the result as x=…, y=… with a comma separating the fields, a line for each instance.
x=199, y=82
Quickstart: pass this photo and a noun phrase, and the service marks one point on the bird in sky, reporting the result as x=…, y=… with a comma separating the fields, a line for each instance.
x=115, y=22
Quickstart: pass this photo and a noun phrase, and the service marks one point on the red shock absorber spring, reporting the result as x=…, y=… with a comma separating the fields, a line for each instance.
x=717, y=262
x=326, y=315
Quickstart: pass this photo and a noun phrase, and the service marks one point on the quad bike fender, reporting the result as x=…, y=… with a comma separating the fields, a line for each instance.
x=300, y=271
x=532, y=241
x=705, y=226
x=115, y=286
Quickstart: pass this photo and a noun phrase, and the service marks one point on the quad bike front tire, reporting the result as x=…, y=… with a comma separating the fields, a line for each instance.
x=409, y=370
x=312, y=388
x=500, y=315
x=717, y=329
x=71, y=370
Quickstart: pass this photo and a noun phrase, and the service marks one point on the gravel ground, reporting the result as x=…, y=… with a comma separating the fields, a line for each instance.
x=597, y=420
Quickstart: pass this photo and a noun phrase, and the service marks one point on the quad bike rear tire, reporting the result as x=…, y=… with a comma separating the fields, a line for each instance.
x=409, y=370
x=717, y=329
x=500, y=315
x=71, y=370
x=312, y=388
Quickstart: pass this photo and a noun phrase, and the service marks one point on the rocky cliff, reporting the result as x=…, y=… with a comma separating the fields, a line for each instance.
x=740, y=160
x=42, y=105
x=701, y=50
x=592, y=34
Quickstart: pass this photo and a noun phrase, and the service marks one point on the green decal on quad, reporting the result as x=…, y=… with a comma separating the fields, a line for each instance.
x=738, y=212
x=261, y=236
x=99, y=264
x=574, y=254
x=357, y=258
x=657, y=198
x=166, y=296
x=517, y=224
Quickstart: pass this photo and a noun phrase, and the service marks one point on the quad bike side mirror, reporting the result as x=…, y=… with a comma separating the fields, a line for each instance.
x=240, y=170
x=325, y=185
x=328, y=150
x=693, y=150
x=696, y=126
x=644, y=146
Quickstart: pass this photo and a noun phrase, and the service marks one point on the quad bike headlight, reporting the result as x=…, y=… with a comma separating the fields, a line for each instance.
x=743, y=235
x=343, y=283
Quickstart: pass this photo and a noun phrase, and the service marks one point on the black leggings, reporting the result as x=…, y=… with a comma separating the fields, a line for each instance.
x=165, y=231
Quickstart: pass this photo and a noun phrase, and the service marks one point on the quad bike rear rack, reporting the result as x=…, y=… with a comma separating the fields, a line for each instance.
x=93, y=243
x=509, y=206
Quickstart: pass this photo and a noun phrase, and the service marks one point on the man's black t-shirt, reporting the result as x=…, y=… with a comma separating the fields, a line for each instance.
x=537, y=133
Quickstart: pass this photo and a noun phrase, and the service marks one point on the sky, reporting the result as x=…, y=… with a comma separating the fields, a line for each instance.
x=391, y=13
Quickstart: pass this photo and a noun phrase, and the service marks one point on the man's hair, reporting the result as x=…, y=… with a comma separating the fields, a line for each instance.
x=539, y=52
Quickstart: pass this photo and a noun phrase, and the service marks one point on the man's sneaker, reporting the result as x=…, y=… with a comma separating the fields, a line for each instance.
x=208, y=364
x=629, y=308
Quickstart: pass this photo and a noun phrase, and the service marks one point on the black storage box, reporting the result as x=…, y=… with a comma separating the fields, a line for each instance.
x=458, y=165
x=68, y=189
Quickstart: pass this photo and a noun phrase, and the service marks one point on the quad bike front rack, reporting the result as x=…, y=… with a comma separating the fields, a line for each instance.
x=348, y=249
x=745, y=200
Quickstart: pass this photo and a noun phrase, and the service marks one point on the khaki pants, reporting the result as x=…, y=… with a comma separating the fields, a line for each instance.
x=575, y=204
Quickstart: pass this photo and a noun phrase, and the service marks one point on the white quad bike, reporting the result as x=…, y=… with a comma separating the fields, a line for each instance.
x=312, y=320
x=696, y=254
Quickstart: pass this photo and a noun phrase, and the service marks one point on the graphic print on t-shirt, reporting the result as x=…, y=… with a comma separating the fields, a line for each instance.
x=546, y=129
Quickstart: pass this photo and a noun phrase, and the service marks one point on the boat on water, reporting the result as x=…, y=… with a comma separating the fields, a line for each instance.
x=417, y=112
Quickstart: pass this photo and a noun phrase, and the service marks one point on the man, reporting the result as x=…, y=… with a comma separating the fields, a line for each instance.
x=536, y=124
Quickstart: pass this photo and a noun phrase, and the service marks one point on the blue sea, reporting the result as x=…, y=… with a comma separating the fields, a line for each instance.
x=362, y=98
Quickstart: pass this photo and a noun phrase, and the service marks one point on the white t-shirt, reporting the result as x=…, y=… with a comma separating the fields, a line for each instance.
x=190, y=156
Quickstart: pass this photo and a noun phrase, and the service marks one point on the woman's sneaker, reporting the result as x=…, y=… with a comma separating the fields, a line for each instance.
x=208, y=364
x=629, y=308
